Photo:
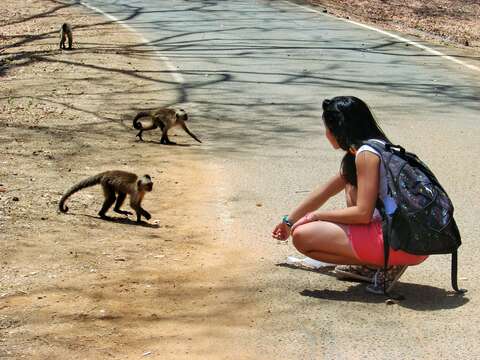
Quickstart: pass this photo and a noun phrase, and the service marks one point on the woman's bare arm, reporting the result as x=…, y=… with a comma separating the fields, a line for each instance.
x=318, y=197
x=368, y=168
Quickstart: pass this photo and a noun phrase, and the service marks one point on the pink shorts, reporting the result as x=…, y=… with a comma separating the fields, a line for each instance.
x=367, y=244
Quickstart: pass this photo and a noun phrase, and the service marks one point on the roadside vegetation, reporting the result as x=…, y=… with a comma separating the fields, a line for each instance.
x=453, y=21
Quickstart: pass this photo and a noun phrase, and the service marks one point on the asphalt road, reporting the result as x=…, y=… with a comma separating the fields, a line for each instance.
x=253, y=75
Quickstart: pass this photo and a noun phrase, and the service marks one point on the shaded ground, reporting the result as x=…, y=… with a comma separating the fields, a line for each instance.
x=453, y=21
x=74, y=286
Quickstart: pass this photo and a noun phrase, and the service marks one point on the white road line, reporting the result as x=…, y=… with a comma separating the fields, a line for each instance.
x=397, y=37
x=176, y=76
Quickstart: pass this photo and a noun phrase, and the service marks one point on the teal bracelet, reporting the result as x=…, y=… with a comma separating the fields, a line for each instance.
x=286, y=221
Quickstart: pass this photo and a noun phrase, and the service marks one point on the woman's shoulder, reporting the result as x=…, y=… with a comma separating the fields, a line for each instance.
x=367, y=157
x=366, y=147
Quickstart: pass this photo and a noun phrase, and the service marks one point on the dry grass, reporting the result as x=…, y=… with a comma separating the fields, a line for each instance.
x=453, y=21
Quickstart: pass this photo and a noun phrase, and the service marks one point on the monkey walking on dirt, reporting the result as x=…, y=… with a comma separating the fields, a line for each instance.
x=166, y=119
x=66, y=32
x=116, y=182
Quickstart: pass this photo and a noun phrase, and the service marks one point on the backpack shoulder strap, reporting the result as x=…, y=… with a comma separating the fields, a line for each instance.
x=376, y=144
x=381, y=148
x=454, y=274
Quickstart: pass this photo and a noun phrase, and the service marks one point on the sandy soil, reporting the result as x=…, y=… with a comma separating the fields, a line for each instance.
x=75, y=286
x=454, y=22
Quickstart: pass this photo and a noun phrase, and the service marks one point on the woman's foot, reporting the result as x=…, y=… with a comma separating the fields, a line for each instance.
x=354, y=272
x=386, y=281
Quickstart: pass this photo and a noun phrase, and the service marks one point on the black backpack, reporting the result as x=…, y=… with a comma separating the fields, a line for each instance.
x=422, y=223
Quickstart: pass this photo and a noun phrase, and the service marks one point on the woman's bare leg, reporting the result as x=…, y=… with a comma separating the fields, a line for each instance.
x=324, y=241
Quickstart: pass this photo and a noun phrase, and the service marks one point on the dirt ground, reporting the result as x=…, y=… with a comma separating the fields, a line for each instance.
x=455, y=22
x=73, y=285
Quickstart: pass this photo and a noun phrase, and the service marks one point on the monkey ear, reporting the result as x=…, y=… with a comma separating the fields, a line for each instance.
x=139, y=183
x=177, y=116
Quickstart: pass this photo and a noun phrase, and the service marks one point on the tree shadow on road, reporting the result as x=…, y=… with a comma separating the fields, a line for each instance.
x=238, y=109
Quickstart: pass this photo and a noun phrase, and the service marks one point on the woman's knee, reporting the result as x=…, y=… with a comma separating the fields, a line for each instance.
x=299, y=238
x=320, y=236
x=307, y=236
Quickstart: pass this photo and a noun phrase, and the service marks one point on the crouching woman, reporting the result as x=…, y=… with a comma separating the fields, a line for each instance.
x=351, y=236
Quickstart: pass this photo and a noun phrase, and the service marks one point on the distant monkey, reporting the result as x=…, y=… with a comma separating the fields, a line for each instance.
x=164, y=118
x=66, y=32
x=116, y=182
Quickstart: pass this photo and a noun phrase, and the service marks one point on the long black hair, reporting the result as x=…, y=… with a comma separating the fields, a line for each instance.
x=351, y=122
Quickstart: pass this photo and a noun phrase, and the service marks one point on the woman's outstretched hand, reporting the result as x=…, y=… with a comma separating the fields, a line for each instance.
x=281, y=232
x=304, y=220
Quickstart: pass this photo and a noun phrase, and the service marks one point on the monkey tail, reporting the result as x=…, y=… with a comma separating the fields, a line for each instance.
x=91, y=181
x=141, y=114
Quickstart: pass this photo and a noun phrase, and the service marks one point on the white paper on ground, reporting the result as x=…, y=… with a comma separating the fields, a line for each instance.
x=307, y=262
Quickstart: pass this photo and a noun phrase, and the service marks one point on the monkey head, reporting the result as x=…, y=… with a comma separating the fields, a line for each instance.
x=181, y=115
x=145, y=183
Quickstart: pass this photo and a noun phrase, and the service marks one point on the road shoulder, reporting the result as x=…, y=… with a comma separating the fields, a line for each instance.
x=73, y=285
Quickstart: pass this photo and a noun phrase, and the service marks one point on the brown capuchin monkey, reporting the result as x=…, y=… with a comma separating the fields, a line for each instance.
x=116, y=182
x=166, y=119
x=66, y=32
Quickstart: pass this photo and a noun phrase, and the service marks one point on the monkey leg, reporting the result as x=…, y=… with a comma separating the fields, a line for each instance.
x=139, y=135
x=142, y=212
x=152, y=127
x=192, y=135
x=165, y=140
x=120, y=199
x=70, y=42
x=110, y=198
x=139, y=215
x=145, y=214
